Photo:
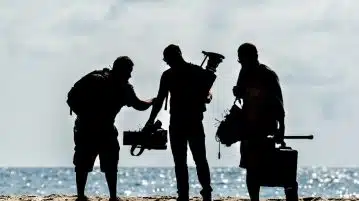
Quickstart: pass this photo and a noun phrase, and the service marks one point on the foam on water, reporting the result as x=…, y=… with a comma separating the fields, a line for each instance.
x=315, y=181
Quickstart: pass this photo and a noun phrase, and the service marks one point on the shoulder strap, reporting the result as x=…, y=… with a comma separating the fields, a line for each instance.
x=166, y=99
x=166, y=102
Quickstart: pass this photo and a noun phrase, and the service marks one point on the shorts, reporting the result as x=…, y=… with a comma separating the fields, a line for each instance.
x=88, y=146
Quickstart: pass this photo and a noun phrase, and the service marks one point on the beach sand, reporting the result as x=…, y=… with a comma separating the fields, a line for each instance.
x=160, y=198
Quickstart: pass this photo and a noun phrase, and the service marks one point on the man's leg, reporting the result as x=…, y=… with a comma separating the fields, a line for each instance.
x=179, y=151
x=253, y=185
x=111, y=178
x=81, y=178
x=109, y=157
x=291, y=192
x=83, y=161
x=198, y=149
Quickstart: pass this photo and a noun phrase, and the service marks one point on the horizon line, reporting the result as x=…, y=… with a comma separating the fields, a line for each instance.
x=167, y=167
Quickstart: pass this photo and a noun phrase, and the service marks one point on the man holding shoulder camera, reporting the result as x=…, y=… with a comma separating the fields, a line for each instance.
x=184, y=82
x=96, y=99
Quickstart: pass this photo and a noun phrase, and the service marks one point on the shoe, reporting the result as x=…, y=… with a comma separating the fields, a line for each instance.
x=115, y=199
x=181, y=198
x=82, y=198
x=207, y=198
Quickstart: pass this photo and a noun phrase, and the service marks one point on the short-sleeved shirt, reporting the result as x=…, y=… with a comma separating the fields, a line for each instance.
x=261, y=94
x=108, y=99
x=188, y=90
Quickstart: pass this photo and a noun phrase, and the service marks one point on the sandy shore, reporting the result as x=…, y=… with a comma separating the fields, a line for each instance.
x=160, y=198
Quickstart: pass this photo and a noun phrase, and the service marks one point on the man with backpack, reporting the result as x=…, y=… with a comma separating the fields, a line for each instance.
x=96, y=99
x=258, y=86
x=189, y=95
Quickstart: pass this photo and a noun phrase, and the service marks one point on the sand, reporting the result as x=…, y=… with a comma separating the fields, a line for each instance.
x=160, y=198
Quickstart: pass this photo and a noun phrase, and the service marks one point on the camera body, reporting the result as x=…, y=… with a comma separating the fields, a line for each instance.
x=151, y=137
x=214, y=59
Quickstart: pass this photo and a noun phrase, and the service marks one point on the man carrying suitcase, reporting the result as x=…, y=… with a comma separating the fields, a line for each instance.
x=263, y=110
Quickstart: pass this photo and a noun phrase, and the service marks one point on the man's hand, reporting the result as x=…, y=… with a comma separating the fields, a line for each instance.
x=151, y=101
x=149, y=123
x=278, y=139
x=235, y=91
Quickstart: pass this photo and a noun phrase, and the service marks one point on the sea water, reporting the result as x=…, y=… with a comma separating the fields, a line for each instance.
x=142, y=181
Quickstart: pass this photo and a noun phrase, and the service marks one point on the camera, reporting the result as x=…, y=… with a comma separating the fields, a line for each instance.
x=150, y=137
x=214, y=59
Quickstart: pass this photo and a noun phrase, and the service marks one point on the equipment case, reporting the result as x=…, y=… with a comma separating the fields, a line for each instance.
x=280, y=168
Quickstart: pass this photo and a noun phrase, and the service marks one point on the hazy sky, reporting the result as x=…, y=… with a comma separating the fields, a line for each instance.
x=47, y=45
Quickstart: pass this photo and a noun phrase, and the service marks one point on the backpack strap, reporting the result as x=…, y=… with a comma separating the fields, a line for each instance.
x=166, y=101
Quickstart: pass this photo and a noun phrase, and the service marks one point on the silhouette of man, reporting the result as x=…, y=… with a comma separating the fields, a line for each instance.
x=187, y=104
x=258, y=86
x=96, y=99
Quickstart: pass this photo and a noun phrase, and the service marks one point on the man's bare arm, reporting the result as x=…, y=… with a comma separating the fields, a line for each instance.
x=279, y=106
x=278, y=99
x=158, y=103
x=137, y=103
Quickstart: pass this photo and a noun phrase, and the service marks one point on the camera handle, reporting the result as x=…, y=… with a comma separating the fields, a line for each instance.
x=133, y=148
x=158, y=123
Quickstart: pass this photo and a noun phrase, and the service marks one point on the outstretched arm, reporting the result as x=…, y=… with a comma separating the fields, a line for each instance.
x=137, y=103
x=158, y=103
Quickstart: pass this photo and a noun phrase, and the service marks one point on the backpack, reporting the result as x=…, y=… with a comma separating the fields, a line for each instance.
x=198, y=92
x=86, y=92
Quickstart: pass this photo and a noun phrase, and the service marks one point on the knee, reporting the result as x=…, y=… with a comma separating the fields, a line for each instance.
x=199, y=156
x=180, y=163
x=79, y=168
x=111, y=172
x=201, y=162
x=109, y=167
x=251, y=177
x=179, y=158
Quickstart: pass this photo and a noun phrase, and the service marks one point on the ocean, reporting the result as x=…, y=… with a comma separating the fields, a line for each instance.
x=142, y=181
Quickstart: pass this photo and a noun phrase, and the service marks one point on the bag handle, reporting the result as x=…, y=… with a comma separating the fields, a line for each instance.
x=133, y=148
